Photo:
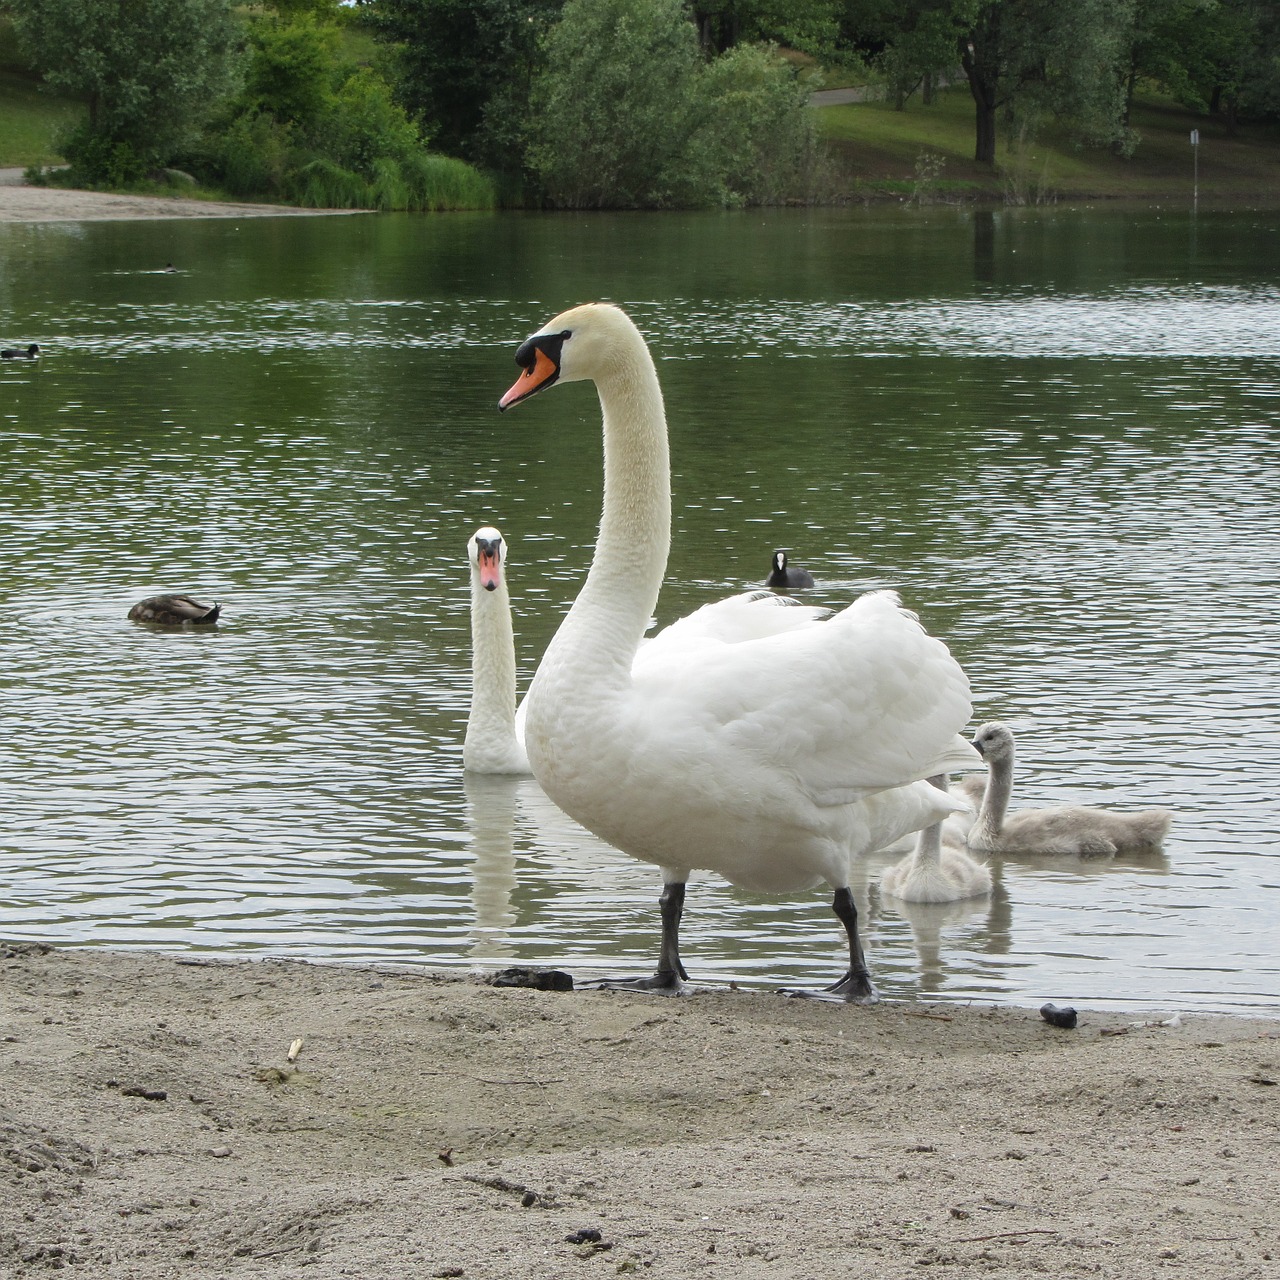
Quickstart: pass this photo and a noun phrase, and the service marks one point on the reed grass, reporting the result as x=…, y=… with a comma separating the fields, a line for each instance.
x=419, y=183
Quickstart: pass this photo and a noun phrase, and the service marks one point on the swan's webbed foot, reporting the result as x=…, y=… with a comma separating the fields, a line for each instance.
x=856, y=986
x=665, y=982
x=853, y=988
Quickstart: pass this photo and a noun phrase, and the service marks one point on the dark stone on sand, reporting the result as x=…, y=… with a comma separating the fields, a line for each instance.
x=538, y=979
x=1056, y=1017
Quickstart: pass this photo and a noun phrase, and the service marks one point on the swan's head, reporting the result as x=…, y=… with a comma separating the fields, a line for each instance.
x=484, y=550
x=994, y=741
x=584, y=343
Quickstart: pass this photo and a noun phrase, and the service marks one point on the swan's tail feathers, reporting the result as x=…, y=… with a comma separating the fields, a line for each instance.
x=960, y=756
x=761, y=596
x=881, y=601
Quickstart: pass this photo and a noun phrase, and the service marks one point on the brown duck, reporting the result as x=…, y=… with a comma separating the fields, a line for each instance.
x=174, y=611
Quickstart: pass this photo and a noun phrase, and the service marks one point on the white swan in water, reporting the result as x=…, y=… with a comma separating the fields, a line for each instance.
x=494, y=741
x=1062, y=829
x=773, y=761
x=934, y=872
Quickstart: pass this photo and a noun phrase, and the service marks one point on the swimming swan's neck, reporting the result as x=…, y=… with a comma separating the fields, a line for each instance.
x=995, y=801
x=491, y=731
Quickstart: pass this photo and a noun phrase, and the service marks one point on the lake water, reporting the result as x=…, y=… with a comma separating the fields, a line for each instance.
x=1056, y=432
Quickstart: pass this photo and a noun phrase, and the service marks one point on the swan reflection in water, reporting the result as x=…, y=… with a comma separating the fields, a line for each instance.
x=491, y=820
x=984, y=926
x=512, y=824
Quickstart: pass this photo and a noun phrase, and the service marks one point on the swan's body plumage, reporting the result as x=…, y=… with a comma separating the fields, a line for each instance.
x=1060, y=829
x=772, y=759
x=494, y=741
x=936, y=872
x=175, y=610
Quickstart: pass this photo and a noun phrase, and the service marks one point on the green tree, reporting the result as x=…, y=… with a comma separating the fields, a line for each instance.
x=464, y=68
x=809, y=25
x=918, y=43
x=291, y=68
x=616, y=106
x=628, y=114
x=151, y=72
x=1221, y=56
x=1042, y=56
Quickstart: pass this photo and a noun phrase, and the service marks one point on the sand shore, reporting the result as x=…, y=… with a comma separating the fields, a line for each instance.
x=21, y=203
x=151, y=1122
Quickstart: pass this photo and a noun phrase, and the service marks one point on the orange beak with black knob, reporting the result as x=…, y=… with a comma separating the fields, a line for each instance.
x=539, y=357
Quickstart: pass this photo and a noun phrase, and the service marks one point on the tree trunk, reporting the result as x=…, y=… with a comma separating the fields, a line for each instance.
x=1232, y=113
x=978, y=57
x=984, y=103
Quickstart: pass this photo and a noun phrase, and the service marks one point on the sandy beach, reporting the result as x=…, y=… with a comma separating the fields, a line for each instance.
x=152, y=1123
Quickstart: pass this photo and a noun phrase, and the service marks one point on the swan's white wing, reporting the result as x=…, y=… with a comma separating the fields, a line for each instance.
x=849, y=706
x=752, y=615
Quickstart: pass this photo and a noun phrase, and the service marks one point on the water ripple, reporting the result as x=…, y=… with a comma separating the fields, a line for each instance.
x=1145, y=322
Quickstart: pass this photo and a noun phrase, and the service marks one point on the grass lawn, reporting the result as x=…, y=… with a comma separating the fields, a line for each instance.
x=878, y=150
x=31, y=122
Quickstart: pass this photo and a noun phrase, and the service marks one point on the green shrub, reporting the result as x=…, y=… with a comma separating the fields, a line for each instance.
x=760, y=137
x=254, y=156
x=420, y=182
x=95, y=159
x=441, y=182
x=365, y=126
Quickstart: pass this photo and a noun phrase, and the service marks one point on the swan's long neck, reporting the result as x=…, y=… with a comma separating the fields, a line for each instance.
x=604, y=628
x=929, y=846
x=491, y=723
x=995, y=799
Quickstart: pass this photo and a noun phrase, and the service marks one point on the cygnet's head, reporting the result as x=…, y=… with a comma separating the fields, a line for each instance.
x=994, y=741
x=585, y=342
x=485, y=552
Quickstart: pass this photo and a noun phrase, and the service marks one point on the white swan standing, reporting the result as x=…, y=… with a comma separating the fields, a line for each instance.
x=494, y=743
x=1061, y=829
x=934, y=872
x=772, y=761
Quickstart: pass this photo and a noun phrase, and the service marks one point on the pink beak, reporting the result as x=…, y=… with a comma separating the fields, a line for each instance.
x=490, y=571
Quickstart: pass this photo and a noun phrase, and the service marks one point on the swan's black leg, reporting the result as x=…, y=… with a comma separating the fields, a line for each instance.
x=667, y=979
x=856, y=986
x=671, y=907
